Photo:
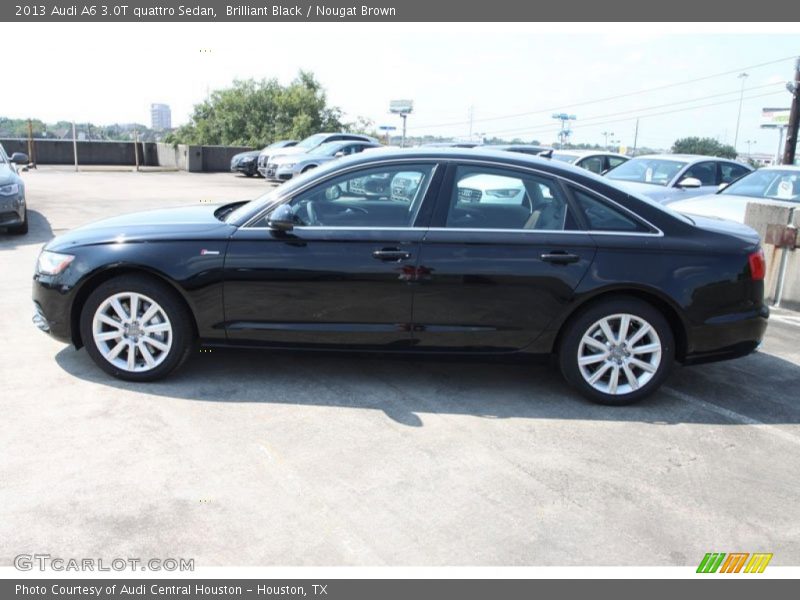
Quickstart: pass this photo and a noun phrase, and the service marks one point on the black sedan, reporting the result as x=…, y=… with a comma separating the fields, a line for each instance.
x=426, y=251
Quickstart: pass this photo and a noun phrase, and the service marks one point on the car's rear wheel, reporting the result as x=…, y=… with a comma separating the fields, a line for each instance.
x=136, y=328
x=617, y=351
x=22, y=228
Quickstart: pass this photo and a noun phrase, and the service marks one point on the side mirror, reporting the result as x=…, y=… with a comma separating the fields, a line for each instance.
x=19, y=158
x=690, y=182
x=282, y=218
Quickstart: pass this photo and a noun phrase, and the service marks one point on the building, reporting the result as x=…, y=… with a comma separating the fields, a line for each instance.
x=160, y=117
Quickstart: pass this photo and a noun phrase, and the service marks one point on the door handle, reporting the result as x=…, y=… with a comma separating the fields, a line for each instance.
x=560, y=257
x=391, y=254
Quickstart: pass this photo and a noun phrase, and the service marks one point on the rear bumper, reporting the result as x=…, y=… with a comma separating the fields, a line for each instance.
x=726, y=337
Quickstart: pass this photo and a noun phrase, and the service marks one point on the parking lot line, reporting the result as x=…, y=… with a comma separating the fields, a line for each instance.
x=733, y=415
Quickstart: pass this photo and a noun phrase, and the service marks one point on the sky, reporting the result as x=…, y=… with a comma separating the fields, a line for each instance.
x=510, y=77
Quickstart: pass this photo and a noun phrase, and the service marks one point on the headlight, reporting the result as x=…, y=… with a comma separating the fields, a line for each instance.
x=286, y=165
x=503, y=193
x=53, y=263
x=246, y=159
x=9, y=190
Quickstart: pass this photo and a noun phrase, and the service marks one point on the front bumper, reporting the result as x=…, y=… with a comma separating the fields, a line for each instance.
x=12, y=210
x=52, y=307
x=245, y=167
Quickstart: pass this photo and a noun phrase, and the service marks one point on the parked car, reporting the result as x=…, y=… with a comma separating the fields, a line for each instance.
x=284, y=168
x=775, y=185
x=245, y=163
x=613, y=285
x=13, y=210
x=592, y=160
x=305, y=145
x=521, y=148
x=668, y=178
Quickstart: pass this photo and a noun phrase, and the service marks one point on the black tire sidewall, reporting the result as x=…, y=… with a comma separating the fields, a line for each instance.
x=580, y=323
x=182, y=330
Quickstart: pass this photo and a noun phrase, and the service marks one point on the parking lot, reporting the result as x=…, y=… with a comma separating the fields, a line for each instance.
x=266, y=458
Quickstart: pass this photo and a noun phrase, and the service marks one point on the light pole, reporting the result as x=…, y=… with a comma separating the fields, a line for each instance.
x=741, y=76
x=749, y=144
x=565, y=132
x=605, y=135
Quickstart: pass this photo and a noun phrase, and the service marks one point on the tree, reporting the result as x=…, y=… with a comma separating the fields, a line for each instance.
x=705, y=146
x=256, y=113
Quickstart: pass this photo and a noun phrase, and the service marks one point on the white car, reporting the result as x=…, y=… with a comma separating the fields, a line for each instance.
x=266, y=158
x=596, y=161
x=775, y=185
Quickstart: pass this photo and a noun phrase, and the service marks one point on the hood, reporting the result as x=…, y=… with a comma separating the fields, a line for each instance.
x=719, y=206
x=7, y=175
x=170, y=223
x=276, y=152
x=249, y=153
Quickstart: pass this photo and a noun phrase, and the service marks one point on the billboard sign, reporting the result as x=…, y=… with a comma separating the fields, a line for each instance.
x=774, y=117
x=401, y=106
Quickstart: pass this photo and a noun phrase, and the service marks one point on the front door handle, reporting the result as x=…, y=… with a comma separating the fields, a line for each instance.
x=560, y=257
x=391, y=254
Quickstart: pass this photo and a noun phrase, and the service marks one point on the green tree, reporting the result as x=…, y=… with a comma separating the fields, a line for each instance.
x=704, y=146
x=256, y=113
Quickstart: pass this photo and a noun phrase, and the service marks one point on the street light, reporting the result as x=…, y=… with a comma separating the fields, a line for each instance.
x=741, y=76
x=565, y=132
x=749, y=144
x=605, y=135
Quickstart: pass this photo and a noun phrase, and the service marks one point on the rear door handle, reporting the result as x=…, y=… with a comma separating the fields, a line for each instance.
x=391, y=254
x=560, y=257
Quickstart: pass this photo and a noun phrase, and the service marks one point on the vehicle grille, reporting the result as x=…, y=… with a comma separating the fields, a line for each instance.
x=469, y=195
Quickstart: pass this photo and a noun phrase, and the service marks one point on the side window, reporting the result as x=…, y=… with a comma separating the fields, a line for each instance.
x=600, y=216
x=615, y=161
x=731, y=172
x=502, y=199
x=706, y=172
x=593, y=164
x=377, y=197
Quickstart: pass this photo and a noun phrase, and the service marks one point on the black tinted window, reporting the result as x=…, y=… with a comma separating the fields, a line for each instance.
x=599, y=216
x=731, y=172
x=706, y=172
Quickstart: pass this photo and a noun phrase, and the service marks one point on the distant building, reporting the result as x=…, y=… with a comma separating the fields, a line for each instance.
x=160, y=117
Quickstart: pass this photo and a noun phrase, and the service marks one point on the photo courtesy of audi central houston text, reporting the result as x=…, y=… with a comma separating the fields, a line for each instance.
x=406, y=305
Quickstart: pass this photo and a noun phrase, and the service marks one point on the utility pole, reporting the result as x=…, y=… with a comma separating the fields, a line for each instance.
x=635, y=138
x=136, y=147
x=741, y=76
x=794, y=117
x=471, y=118
x=75, y=145
x=31, y=157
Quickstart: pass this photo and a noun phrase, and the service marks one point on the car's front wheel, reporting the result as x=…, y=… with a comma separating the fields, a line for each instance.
x=617, y=351
x=136, y=328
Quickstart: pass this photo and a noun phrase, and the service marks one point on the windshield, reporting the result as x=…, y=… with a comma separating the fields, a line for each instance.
x=775, y=184
x=568, y=158
x=312, y=141
x=655, y=171
x=279, y=193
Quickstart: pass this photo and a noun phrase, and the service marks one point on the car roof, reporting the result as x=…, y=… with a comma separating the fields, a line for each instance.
x=502, y=157
x=588, y=153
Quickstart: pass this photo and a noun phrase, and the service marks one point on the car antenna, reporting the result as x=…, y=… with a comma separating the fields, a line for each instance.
x=546, y=153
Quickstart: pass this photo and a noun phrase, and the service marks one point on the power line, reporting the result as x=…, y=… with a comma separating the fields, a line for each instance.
x=548, y=129
x=625, y=112
x=607, y=98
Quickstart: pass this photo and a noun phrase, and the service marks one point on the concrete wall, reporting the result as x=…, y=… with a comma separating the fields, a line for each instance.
x=186, y=158
x=758, y=216
x=60, y=152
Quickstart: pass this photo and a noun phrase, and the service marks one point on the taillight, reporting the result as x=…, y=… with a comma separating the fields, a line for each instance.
x=758, y=266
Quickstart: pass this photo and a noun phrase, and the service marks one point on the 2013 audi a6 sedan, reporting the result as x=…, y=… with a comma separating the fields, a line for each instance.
x=426, y=251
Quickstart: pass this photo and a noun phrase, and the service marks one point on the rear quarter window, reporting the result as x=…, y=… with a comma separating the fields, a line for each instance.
x=601, y=216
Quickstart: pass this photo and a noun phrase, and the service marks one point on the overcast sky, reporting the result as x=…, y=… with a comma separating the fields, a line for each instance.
x=106, y=73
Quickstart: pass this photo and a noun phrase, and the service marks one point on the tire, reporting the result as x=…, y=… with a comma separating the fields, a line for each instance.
x=22, y=228
x=642, y=362
x=168, y=343
x=248, y=174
